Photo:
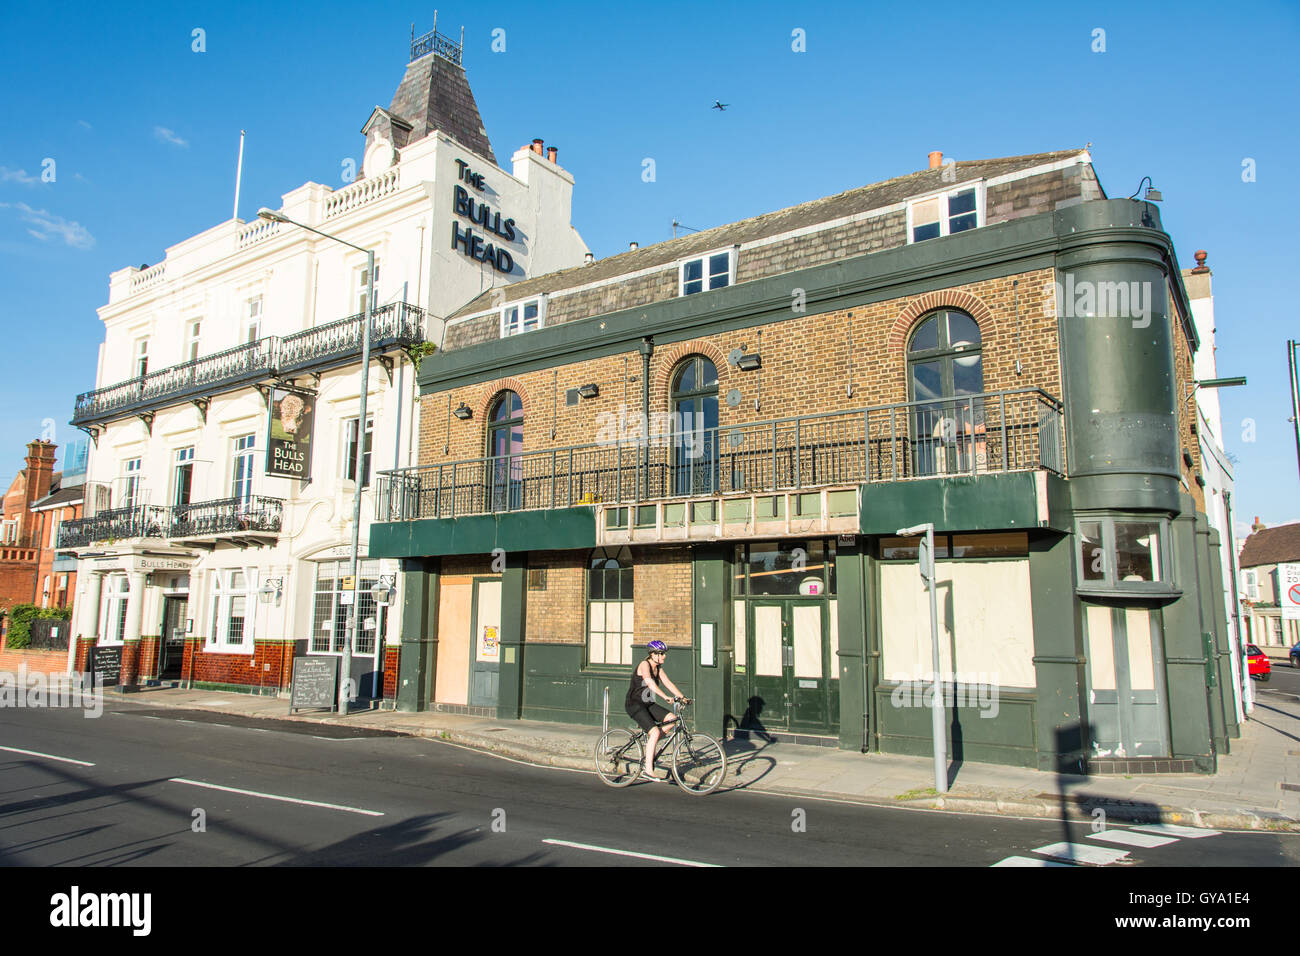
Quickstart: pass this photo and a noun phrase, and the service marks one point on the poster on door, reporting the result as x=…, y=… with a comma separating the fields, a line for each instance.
x=489, y=645
x=1288, y=580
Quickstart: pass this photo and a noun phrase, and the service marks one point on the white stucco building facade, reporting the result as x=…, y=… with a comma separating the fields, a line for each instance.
x=196, y=559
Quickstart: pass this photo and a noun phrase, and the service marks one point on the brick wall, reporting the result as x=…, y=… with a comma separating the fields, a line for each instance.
x=807, y=361
x=392, y=654
x=269, y=666
x=1184, y=381
x=558, y=614
x=662, y=587
x=36, y=662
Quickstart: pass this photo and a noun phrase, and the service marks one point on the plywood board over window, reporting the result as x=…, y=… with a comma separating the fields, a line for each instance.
x=984, y=618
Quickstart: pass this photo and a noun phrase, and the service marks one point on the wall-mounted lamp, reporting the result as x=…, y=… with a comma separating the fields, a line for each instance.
x=382, y=592
x=1152, y=194
x=588, y=391
x=748, y=363
x=271, y=590
x=463, y=412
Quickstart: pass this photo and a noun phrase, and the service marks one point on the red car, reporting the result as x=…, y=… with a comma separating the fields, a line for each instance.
x=1258, y=662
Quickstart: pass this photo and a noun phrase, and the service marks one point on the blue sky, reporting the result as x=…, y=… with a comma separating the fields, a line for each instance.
x=143, y=132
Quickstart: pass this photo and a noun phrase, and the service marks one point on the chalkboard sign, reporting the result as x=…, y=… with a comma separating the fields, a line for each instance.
x=106, y=666
x=314, y=682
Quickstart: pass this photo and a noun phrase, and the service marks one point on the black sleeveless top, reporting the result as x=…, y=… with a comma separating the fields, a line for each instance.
x=637, y=693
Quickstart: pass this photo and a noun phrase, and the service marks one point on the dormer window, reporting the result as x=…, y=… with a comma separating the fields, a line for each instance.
x=712, y=271
x=526, y=316
x=957, y=210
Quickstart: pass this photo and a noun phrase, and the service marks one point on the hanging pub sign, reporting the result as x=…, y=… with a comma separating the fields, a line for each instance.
x=288, y=447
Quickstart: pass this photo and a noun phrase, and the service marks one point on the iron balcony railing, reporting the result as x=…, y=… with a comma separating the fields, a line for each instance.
x=1018, y=430
x=116, y=524
x=226, y=516
x=396, y=325
x=200, y=519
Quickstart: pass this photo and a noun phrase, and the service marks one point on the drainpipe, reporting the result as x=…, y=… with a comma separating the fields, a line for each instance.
x=647, y=349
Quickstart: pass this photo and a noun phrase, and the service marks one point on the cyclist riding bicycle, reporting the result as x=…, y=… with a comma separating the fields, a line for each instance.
x=641, y=706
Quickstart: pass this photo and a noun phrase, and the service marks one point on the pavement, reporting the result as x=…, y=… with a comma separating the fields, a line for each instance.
x=1257, y=786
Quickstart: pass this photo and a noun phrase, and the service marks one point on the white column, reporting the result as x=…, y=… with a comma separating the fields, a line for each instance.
x=134, y=604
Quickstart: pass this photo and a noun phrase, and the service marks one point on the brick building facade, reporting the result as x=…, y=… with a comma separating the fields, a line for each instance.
x=713, y=441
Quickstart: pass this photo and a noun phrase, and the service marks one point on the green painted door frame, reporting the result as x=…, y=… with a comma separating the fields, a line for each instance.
x=483, y=675
x=711, y=577
x=514, y=608
x=852, y=574
x=1062, y=731
x=418, y=654
x=1186, y=664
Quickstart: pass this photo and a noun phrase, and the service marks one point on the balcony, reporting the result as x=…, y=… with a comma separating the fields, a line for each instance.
x=242, y=520
x=116, y=524
x=1019, y=430
x=397, y=325
x=252, y=517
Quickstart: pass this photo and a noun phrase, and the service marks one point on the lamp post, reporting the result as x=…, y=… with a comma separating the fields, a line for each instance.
x=345, y=677
x=925, y=559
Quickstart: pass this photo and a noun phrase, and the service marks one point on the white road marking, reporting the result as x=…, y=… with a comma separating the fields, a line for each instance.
x=1028, y=861
x=33, y=753
x=273, y=796
x=1132, y=838
x=1082, y=853
x=1175, y=829
x=639, y=856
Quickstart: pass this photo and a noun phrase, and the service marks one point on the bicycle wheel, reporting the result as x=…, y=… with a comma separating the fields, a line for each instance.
x=619, y=756
x=699, y=763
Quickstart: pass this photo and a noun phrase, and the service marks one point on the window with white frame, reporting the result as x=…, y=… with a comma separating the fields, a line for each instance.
x=1120, y=553
x=330, y=610
x=230, y=610
x=527, y=316
x=56, y=522
x=253, y=319
x=957, y=210
x=192, y=344
x=183, y=475
x=113, y=620
x=131, y=495
x=1252, y=584
x=241, y=484
x=11, y=531
x=609, y=606
x=350, y=450
x=141, y=357
x=715, y=270
x=363, y=285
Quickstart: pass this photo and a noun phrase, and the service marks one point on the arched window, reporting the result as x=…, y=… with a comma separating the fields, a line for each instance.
x=694, y=393
x=945, y=363
x=505, y=442
x=609, y=606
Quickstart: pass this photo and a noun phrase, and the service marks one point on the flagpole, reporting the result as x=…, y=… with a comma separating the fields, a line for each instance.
x=239, y=174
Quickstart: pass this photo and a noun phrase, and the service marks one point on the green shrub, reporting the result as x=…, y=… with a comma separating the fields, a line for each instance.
x=20, y=622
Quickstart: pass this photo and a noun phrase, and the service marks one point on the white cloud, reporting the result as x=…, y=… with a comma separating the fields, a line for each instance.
x=8, y=175
x=46, y=225
x=164, y=135
x=84, y=125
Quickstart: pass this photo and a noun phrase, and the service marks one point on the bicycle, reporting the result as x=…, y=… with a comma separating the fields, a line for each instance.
x=699, y=763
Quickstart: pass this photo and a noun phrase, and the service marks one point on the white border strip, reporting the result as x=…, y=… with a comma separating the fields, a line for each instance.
x=639, y=856
x=34, y=753
x=272, y=796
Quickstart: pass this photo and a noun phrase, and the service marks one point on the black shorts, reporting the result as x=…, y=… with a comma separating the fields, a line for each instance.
x=647, y=715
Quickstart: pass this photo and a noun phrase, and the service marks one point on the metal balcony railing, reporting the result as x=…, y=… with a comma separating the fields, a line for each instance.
x=1019, y=430
x=226, y=516
x=233, y=516
x=116, y=524
x=396, y=325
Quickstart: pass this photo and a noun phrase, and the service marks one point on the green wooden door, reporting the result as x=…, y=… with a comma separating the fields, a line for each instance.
x=485, y=643
x=768, y=705
x=808, y=680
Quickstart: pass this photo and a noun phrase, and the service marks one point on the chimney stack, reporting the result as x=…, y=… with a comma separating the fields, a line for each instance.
x=1257, y=526
x=551, y=153
x=936, y=159
x=40, y=469
x=536, y=147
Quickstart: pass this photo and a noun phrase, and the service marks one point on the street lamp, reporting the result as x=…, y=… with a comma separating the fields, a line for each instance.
x=351, y=635
x=925, y=559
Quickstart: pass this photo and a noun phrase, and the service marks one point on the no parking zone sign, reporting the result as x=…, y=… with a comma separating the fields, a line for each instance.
x=1288, y=579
